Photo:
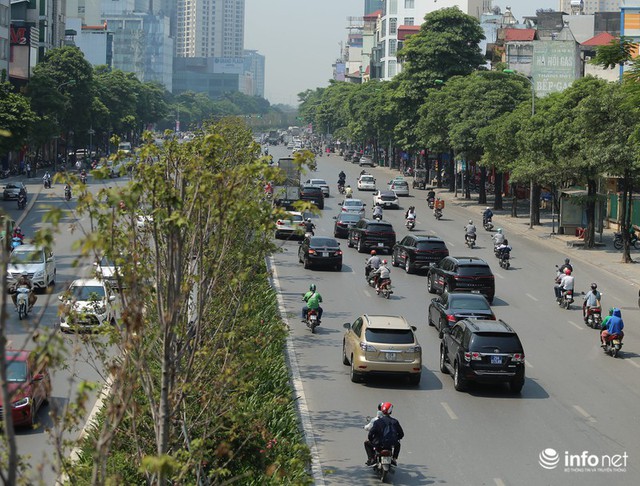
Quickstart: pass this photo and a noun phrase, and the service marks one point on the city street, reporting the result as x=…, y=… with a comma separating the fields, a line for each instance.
x=575, y=397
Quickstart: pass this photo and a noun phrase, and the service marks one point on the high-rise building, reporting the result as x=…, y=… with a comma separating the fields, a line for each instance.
x=254, y=65
x=588, y=7
x=5, y=17
x=210, y=28
x=371, y=6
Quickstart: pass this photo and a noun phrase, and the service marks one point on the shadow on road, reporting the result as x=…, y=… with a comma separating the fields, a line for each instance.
x=531, y=391
x=408, y=474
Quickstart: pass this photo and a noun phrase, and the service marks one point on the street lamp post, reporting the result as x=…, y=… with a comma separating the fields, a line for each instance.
x=533, y=112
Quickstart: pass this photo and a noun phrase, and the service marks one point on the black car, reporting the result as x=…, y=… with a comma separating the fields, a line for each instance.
x=313, y=194
x=449, y=308
x=418, y=252
x=344, y=221
x=320, y=251
x=370, y=234
x=484, y=352
x=466, y=274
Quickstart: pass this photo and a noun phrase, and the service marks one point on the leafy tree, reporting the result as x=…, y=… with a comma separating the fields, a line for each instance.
x=615, y=54
x=16, y=119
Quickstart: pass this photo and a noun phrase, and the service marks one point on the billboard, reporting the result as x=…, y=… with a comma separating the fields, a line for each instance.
x=555, y=65
x=228, y=65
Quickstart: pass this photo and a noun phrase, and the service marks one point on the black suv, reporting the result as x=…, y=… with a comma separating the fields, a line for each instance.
x=465, y=274
x=370, y=234
x=313, y=194
x=418, y=252
x=484, y=352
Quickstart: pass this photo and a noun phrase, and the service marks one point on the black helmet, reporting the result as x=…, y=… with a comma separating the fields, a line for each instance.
x=312, y=287
x=594, y=286
x=566, y=260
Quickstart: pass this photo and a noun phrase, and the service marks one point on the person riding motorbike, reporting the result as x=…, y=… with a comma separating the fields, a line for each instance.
x=386, y=433
x=348, y=192
x=615, y=325
x=504, y=247
x=342, y=176
x=498, y=238
x=363, y=172
x=373, y=263
x=67, y=191
x=410, y=213
x=377, y=211
x=313, y=300
x=487, y=216
x=309, y=226
x=591, y=299
x=566, y=283
x=431, y=196
x=383, y=273
x=565, y=265
x=379, y=414
x=46, y=179
x=605, y=321
x=23, y=281
x=470, y=231
x=17, y=233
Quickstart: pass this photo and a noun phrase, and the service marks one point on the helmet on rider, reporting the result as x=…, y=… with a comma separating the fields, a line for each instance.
x=488, y=208
x=566, y=261
x=308, y=220
x=499, y=230
x=373, y=252
x=380, y=406
x=567, y=271
x=312, y=287
x=470, y=221
x=384, y=262
x=594, y=286
x=386, y=408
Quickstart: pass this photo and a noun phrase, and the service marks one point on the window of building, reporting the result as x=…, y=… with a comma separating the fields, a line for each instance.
x=392, y=68
x=409, y=4
x=393, y=7
x=384, y=28
x=393, y=47
x=393, y=26
x=408, y=21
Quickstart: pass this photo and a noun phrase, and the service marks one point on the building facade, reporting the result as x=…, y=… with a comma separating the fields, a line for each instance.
x=254, y=65
x=587, y=7
x=371, y=6
x=5, y=20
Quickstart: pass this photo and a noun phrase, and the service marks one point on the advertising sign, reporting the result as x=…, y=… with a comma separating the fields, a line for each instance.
x=555, y=66
x=228, y=65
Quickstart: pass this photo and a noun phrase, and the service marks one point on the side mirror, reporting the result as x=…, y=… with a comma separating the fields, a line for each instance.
x=335, y=217
x=60, y=298
x=346, y=325
x=112, y=298
x=414, y=328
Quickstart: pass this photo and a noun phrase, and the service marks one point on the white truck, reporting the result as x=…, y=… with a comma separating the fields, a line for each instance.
x=288, y=189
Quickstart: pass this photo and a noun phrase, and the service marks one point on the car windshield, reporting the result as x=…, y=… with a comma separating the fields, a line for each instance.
x=318, y=182
x=430, y=245
x=473, y=270
x=468, y=302
x=389, y=336
x=490, y=341
x=11, y=186
x=400, y=184
x=16, y=371
x=330, y=242
x=366, y=179
x=105, y=262
x=387, y=196
x=27, y=256
x=87, y=292
x=379, y=227
x=353, y=203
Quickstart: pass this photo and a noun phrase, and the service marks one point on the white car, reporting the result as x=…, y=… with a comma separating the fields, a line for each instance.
x=87, y=305
x=289, y=225
x=366, y=182
x=353, y=206
x=400, y=187
x=38, y=263
x=321, y=183
x=107, y=270
x=386, y=199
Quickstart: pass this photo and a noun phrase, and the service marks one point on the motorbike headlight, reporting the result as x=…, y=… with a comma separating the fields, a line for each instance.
x=23, y=402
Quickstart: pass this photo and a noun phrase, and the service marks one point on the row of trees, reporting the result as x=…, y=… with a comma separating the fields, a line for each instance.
x=69, y=100
x=447, y=102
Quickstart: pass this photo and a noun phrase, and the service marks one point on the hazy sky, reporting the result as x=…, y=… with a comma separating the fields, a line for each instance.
x=300, y=39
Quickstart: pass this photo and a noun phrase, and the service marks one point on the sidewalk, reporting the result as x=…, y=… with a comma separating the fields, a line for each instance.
x=604, y=256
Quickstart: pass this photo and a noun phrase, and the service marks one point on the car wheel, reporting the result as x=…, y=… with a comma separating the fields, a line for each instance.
x=445, y=288
x=459, y=381
x=414, y=380
x=277, y=235
x=407, y=265
x=349, y=241
x=307, y=265
x=354, y=375
x=345, y=360
x=394, y=262
x=429, y=321
x=516, y=385
x=430, y=287
x=443, y=361
x=360, y=247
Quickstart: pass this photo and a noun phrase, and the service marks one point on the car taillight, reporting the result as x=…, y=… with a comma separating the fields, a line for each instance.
x=340, y=223
x=474, y=355
x=344, y=209
x=517, y=358
x=367, y=347
x=414, y=349
x=339, y=252
x=311, y=251
x=279, y=222
x=451, y=318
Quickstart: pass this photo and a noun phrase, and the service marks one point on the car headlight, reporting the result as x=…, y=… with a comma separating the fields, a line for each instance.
x=39, y=273
x=23, y=402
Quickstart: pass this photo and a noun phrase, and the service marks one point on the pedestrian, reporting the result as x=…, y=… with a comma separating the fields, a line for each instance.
x=28, y=170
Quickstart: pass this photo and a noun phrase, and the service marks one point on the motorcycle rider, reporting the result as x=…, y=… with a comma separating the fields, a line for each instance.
x=470, y=231
x=46, y=178
x=615, y=325
x=383, y=273
x=566, y=283
x=410, y=213
x=504, y=247
x=23, y=281
x=309, y=226
x=431, y=196
x=379, y=414
x=17, y=233
x=591, y=299
x=377, y=211
x=67, y=191
x=498, y=238
x=342, y=176
x=373, y=263
x=313, y=300
x=386, y=433
x=565, y=265
x=487, y=216
x=348, y=192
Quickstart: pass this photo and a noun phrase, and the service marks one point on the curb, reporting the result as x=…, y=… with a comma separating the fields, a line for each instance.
x=296, y=382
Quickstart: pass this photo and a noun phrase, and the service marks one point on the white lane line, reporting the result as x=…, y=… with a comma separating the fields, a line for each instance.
x=447, y=409
x=367, y=293
x=527, y=364
x=584, y=413
x=531, y=297
x=575, y=325
x=499, y=276
x=450, y=244
x=498, y=481
x=630, y=361
x=616, y=298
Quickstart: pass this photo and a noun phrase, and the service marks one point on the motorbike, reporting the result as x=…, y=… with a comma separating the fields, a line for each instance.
x=22, y=301
x=566, y=299
x=377, y=216
x=504, y=257
x=383, y=465
x=47, y=183
x=341, y=187
x=5, y=173
x=437, y=213
x=67, y=193
x=410, y=223
x=312, y=320
x=593, y=317
x=83, y=178
x=16, y=241
x=633, y=241
x=370, y=279
x=430, y=202
x=385, y=289
x=22, y=201
x=487, y=224
x=612, y=345
x=470, y=240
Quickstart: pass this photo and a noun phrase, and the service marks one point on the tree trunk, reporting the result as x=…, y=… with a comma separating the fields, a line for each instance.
x=467, y=176
x=452, y=172
x=482, y=191
x=625, y=220
x=497, y=203
x=514, y=202
x=439, y=171
x=590, y=230
x=534, y=204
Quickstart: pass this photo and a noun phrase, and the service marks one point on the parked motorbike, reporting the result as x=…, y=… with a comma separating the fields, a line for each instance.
x=22, y=301
x=312, y=320
x=437, y=213
x=504, y=257
x=593, y=317
x=470, y=240
x=410, y=223
x=612, y=345
x=22, y=201
x=5, y=173
x=633, y=240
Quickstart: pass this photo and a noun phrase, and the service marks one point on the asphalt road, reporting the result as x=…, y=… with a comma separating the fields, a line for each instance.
x=80, y=363
x=575, y=398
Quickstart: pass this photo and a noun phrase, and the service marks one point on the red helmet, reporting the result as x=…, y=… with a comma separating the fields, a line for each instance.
x=386, y=408
x=373, y=252
x=567, y=271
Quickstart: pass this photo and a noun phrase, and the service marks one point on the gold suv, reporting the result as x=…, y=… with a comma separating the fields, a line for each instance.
x=382, y=345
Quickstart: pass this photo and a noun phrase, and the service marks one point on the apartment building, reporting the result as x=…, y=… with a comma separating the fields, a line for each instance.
x=5, y=18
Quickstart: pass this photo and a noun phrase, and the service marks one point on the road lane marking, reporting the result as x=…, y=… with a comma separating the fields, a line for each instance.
x=575, y=325
x=498, y=481
x=633, y=363
x=526, y=363
x=584, y=413
x=531, y=297
x=498, y=275
x=447, y=409
x=367, y=293
x=450, y=244
x=616, y=298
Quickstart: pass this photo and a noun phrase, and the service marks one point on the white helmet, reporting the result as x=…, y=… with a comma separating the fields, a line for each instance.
x=470, y=221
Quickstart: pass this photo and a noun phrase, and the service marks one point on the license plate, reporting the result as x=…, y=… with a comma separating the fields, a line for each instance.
x=385, y=459
x=380, y=244
x=325, y=254
x=496, y=359
x=475, y=291
x=390, y=356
